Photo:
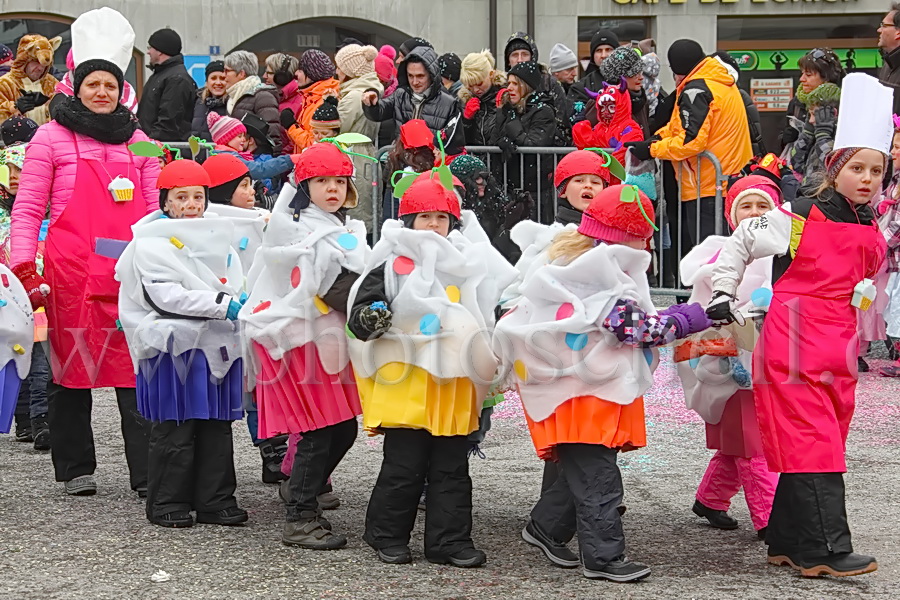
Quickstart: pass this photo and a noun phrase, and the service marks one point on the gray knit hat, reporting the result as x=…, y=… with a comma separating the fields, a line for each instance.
x=623, y=62
x=562, y=58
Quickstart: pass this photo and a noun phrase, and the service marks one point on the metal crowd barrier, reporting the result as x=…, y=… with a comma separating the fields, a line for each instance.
x=531, y=169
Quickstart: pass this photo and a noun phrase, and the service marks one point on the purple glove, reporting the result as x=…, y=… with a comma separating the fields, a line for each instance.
x=688, y=318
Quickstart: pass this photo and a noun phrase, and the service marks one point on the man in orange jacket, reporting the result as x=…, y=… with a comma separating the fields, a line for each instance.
x=709, y=116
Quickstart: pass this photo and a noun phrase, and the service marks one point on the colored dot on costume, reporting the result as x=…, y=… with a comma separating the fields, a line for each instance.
x=295, y=277
x=430, y=324
x=521, y=370
x=576, y=341
x=348, y=241
x=452, y=293
x=176, y=242
x=262, y=306
x=2, y=303
x=565, y=311
x=18, y=349
x=694, y=362
x=403, y=265
x=320, y=304
x=223, y=280
x=761, y=297
x=648, y=356
x=228, y=262
x=5, y=279
x=243, y=243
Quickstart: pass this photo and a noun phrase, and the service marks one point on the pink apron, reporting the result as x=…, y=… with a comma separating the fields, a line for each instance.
x=804, y=367
x=86, y=348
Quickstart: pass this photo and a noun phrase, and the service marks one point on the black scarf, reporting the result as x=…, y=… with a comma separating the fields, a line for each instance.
x=566, y=214
x=114, y=128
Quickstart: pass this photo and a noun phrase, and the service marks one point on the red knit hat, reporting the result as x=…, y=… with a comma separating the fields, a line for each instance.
x=751, y=184
x=427, y=194
x=615, y=216
x=324, y=159
x=415, y=134
x=384, y=64
x=580, y=162
x=182, y=173
x=223, y=168
x=223, y=129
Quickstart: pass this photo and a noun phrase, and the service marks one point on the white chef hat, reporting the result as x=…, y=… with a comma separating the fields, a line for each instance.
x=865, y=114
x=102, y=34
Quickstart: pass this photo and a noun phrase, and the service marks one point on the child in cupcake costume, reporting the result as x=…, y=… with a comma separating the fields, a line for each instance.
x=181, y=292
x=591, y=308
x=715, y=372
x=16, y=340
x=294, y=331
x=420, y=322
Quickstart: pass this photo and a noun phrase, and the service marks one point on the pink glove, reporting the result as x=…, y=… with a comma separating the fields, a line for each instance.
x=884, y=205
x=472, y=107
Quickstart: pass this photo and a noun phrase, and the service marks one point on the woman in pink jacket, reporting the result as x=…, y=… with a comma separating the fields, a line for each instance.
x=97, y=190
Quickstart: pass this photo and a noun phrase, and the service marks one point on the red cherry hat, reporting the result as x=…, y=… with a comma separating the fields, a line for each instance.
x=324, y=159
x=580, y=162
x=223, y=168
x=427, y=194
x=182, y=173
x=416, y=134
x=614, y=215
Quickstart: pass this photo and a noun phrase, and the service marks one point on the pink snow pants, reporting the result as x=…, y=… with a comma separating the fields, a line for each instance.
x=727, y=474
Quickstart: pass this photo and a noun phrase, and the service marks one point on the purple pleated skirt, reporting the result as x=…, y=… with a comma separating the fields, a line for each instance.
x=178, y=388
x=9, y=395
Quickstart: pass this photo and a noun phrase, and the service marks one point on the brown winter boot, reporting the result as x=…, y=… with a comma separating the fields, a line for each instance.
x=309, y=533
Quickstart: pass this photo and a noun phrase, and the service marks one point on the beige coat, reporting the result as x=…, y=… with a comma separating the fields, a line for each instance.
x=353, y=120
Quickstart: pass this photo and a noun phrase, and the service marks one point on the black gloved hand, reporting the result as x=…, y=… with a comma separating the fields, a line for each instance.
x=721, y=311
x=790, y=134
x=507, y=148
x=825, y=115
x=287, y=118
x=29, y=101
x=375, y=319
x=640, y=150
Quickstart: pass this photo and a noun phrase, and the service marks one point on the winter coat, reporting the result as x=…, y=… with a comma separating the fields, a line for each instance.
x=262, y=101
x=756, y=139
x=167, y=103
x=481, y=129
x=533, y=128
x=710, y=116
x=290, y=98
x=353, y=120
x=31, y=47
x=202, y=108
x=311, y=98
x=439, y=109
x=890, y=75
x=621, y=128
x=49, y=174
x=578, y=98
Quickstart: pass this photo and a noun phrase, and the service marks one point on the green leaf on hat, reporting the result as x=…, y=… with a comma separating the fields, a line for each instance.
x=445, y=176
x=628, y=194
x=401, y=186
x=4, y=176
x=146, y=149
x=194, y=143
x=616, y=169
x=352, y=138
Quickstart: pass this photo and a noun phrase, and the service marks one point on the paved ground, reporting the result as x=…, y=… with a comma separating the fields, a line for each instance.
x=54, y=546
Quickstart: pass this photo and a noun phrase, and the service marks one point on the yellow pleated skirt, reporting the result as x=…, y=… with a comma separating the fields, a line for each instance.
x=406, y=396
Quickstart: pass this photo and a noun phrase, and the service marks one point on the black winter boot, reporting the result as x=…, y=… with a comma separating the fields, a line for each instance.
x=23, y=431
x=843, y=564
x=273, y=451
x=41, y=432
x=719, y=519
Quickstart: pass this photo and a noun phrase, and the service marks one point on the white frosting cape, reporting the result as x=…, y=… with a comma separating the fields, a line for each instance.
x=204, y=260
x=533, y=239
x=16, y=323
x=442, y=293
x=297, y=263
x=707, y=382
x=249, y=224
x=553, y=340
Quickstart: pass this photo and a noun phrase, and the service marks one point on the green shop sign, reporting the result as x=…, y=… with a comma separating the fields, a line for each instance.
x=786, y=60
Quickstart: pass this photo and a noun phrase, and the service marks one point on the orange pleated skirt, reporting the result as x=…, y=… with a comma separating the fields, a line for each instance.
x=590, y=420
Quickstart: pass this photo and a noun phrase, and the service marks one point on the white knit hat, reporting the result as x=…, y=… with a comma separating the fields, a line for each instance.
x=103, y=34
x=562, y=58
x=355, y=60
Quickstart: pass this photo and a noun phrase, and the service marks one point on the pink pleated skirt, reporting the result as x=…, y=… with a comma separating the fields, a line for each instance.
x=296, y=395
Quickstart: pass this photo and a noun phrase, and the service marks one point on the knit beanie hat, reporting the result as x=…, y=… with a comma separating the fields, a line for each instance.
x=96, y=64
x=6, y=54
x=623, y=62
x=450, y=65
x=316, y=65
x=562, y=58
x=226, y=172
x=384, y=64
x=517, y=44
x=529, y=72
x=615, y=216
x=466, y=166
x=356, y=61
x=216, y=66
x=17, y=129
x=684, y=55
x=166, y=41
x=411, y=44
x=745, y=186
x=836, y=159
x=603, y=37
x=223, y=128
x=13, y=155
x=327, y=114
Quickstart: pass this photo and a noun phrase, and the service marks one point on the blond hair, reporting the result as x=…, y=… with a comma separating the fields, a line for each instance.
x=569, y=245
x=476, y=67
